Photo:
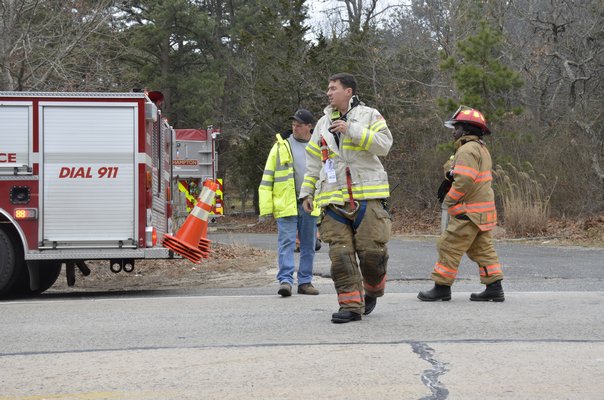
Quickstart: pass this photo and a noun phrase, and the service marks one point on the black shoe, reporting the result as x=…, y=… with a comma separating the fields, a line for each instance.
x=493, y=292
x=370, y=303
x=343, y=317
x=285, y=289
x=438, y=292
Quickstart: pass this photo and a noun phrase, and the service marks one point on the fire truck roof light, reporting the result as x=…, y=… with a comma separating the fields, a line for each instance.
x=25, y=214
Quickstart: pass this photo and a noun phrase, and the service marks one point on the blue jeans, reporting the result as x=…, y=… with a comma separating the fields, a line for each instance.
x=305, y=226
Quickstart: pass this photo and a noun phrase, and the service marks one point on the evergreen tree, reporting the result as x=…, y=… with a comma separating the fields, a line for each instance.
x=171, y=50
x=482, y=79
x=268, y=74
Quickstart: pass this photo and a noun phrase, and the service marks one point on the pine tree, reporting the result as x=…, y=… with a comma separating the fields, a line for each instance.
x=482, y=79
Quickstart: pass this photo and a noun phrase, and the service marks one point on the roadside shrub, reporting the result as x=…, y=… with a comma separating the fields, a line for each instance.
x=524, y=201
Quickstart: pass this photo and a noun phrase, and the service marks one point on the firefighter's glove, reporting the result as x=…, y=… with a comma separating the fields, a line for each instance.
x=307, y=204
x=449, y=176
x=443, y=189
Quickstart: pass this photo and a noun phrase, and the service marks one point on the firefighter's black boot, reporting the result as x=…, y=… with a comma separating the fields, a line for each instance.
x=342, y=317
x=493, y=292
x=438, y=292
x=370, y=303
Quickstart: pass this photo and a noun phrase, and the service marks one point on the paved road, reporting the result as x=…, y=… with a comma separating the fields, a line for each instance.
x=527, y=267
x=546, y=341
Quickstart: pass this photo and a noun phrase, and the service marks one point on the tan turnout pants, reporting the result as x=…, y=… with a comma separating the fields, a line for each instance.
x=463, y=236
x=368, y=243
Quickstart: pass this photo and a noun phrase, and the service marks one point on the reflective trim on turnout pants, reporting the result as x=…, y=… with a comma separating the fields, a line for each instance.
x=463, y=236
x=351, y=278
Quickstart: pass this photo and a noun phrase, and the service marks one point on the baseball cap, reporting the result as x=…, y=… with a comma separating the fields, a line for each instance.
x=303, y=116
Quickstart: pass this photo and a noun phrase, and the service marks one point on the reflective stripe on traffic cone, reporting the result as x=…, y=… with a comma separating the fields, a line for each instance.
x=186, y=240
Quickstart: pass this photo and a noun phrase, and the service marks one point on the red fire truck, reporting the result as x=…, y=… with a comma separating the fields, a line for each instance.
x=83, y=176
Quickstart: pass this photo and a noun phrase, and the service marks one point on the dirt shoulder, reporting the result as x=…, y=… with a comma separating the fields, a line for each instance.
x=229, y=266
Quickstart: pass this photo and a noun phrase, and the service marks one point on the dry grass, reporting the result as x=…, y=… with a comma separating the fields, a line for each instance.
x=587, y=231
x=524, y=199
x=584, y=231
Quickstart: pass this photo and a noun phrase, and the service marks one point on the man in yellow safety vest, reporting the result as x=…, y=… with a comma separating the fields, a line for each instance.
x=278, y=194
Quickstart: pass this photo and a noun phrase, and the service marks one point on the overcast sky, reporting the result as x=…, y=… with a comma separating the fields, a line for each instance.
x=317, y=11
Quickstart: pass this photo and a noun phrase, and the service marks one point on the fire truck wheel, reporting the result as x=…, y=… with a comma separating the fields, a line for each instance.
x=49, y=272
x=11, y=264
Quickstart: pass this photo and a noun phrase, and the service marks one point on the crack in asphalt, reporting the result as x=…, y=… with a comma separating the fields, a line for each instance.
x=288, y=344
x=430, y=377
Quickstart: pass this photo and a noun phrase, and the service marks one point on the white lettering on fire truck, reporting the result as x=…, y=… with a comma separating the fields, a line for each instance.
x=8, y=157
x=185, y=162
x=87, y=173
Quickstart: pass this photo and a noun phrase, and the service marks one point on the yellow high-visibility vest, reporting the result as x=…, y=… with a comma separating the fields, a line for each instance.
x=277, y=190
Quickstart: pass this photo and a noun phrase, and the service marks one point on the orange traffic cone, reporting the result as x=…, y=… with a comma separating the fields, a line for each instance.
x=186, y=240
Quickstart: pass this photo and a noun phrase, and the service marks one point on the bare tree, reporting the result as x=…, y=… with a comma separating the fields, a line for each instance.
x=563, y=56
x=56, y=45
x=354, y=17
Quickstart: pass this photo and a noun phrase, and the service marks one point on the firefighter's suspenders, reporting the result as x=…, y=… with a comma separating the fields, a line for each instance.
x=324, y=157
x=340, y=218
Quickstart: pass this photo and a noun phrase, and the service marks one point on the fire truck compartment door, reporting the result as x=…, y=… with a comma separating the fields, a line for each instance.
x=88, y=172
x=15, y=137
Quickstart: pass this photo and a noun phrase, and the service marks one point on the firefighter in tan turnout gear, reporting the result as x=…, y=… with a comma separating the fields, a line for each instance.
x=350, y=185
x=467, y=195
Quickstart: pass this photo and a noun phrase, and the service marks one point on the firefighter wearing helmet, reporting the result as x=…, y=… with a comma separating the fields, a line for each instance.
x=468, y=196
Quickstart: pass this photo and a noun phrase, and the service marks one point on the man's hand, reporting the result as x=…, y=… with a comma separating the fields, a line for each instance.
x=265, y=218
x=339, y=126
x=307, y=204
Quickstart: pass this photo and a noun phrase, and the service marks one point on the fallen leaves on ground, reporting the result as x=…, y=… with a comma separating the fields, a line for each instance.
x=228, y=266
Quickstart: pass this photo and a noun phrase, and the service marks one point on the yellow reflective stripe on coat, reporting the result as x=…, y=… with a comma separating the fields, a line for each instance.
x=268, y=177
x=340, y=196
x=313, y=149
x=309, y=182
x=369, y=133
x=348, y=144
